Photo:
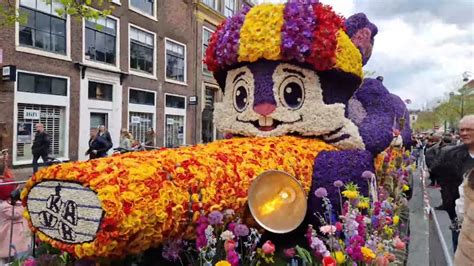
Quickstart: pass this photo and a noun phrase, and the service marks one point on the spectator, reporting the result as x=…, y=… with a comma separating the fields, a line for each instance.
x=465, y=208
x=98, y=146
x=40, y=146
x=453, y=164
x=125, y=139
x=11, y=215
x=448, y=191
x=104, y=133
x=137, y=146
x=150, y=138
x=432, y=150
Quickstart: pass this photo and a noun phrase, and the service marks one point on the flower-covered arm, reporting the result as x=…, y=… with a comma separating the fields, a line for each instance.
x=341, y=166
x=374, y=110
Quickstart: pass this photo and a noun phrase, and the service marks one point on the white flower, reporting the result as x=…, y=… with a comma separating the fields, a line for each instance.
x=227, y=235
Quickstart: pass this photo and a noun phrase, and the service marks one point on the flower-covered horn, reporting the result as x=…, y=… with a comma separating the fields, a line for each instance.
x=362, y=33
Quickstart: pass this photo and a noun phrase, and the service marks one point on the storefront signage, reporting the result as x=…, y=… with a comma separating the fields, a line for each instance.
x=24, y=133
x=135, y=120
x=9, y=73
x=169, y=121
x=50, y=115
x=193, y=100
x=31, y=114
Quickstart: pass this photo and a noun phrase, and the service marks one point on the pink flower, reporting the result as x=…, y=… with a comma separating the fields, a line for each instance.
x=233, y=258
x=321, y=192
x=289, y=252
x=29, y=262
x=338, y=183
x=328, y=229
x=268, y=247
x=398, y=244
x=381, y=261
x=229, y=245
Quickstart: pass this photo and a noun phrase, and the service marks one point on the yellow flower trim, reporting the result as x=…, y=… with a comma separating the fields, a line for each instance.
x=260, y=35
x=348, y=57
x=146, y=196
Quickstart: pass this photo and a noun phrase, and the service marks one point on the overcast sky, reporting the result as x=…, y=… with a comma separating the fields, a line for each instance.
x=423, y=46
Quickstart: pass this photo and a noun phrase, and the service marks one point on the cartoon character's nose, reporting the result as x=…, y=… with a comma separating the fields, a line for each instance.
x=264, y=108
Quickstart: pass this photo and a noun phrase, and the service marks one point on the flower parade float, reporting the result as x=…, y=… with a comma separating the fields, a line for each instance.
x=295, y=103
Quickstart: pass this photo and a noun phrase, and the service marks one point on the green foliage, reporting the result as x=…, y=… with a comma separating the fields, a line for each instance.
x=88, y=9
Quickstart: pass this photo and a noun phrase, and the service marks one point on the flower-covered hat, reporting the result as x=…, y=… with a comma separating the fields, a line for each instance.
x=300, y=31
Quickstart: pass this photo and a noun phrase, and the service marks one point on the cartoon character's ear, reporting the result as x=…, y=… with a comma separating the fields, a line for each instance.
x=362, y=33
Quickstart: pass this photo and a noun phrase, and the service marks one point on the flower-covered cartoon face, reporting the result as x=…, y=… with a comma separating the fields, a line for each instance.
x=269, y=98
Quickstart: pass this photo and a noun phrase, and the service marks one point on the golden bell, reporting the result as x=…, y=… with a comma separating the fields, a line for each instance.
x=277, y=201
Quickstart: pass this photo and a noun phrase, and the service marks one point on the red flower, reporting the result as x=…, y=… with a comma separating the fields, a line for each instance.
x=329, y=261
x=339, y=226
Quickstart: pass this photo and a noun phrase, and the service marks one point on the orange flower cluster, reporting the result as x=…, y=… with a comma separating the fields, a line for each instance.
x=148, y=197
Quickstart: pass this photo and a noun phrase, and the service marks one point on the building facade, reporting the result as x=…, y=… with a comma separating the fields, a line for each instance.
x=139, y=68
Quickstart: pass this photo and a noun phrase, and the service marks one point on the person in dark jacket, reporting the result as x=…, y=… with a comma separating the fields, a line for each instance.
x=432, y=150
x=98, y=146
x=40, y=146
x=104, y=133
x=451, y=166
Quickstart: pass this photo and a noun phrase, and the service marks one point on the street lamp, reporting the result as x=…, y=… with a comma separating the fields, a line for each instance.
x=466, y=75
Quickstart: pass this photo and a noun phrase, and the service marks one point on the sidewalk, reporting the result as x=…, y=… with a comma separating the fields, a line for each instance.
x=443, y=218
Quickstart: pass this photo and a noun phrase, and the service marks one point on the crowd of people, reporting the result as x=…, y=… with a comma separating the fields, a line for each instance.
x=450, y=162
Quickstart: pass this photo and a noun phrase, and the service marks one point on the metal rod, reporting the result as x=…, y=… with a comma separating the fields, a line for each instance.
x=13, y=183
x=447, y=255
x=10, y=246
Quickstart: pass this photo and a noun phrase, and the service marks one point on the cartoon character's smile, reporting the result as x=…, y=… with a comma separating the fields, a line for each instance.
x=268, y=123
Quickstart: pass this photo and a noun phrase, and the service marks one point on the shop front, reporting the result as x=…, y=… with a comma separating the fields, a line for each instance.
x=40, y=98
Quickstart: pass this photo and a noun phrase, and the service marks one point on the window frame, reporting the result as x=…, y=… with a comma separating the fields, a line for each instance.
x=38, y=51
x=175, y=111
x=225, y=8
x=136, y=72
x=215, y=7
x=100, y=64
x=141, y=12
x=203, y=65
x=184, y=83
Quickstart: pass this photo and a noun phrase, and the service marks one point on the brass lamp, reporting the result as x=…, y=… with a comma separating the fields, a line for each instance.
x=277, y=201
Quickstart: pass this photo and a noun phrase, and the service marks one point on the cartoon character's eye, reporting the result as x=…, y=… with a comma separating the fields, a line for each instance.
x=240, y=96
x=292, y=92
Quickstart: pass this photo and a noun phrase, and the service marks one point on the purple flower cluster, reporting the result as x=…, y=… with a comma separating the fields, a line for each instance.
x=354, y=248
x=321, y=192
x=297, y=31
x=201, y=240
x=216, y=217
x=172, y=249
x=241, y=230
x=227, y=47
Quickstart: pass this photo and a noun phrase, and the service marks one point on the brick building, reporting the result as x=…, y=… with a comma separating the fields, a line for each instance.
x=138, y=69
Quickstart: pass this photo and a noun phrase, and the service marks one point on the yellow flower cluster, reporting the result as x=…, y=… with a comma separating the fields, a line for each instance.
x=151, y=196
x=368, y=254
x=348, y=57
x=350, y=194
x=260, y=35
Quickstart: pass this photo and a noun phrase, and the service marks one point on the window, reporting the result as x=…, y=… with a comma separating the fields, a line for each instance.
x=144, y=5
x=175, y=102
x=44, y=29
x=175, y=61
x=208, y=129
x=100, y=91
x=142, y=97
x=206, y=35
x=139, y=123
x=229, y=8
x=100, y=40
x=210, y=3
x=142, y=46
x=42, y=84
